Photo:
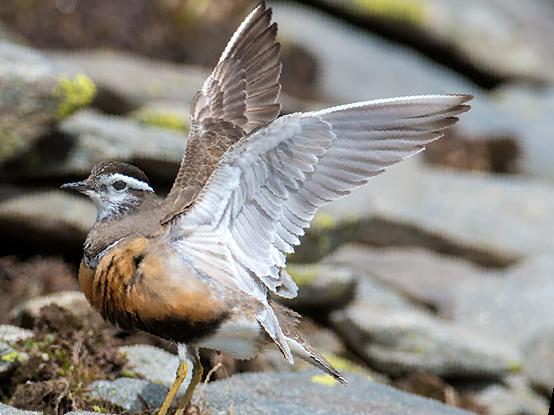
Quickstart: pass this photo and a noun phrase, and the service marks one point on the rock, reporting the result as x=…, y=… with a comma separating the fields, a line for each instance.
x=11, y=334
x=515, y=307
x=511, y=397
x=26, y=313
x=414, y=205
x=419, y=274
x=479, y=32
x=130, y=77
x=401, y=341
x=369, y=67
x=309, y=392
x=8, y=410
x=154, y=364
x=130, y=394
x=9, y=359
x=90, y=137
x=539, y=359
x=322, y=288
x=32, y=90
x=46, y=220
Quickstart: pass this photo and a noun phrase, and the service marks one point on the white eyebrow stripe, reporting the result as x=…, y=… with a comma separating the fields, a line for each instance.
x=132, y=182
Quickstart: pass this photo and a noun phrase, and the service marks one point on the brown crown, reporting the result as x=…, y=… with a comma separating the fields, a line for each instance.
x=112, y=167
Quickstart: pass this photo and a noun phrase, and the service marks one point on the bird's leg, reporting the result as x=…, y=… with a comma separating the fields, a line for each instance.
x=179, y=379
x=197, y=372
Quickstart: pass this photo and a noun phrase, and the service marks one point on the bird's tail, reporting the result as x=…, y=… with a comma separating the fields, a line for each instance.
x=288, y=320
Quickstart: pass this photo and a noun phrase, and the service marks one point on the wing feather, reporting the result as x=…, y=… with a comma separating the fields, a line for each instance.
x=240, y=95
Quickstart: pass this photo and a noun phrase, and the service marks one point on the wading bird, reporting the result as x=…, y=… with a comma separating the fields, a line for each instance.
x=198, y=267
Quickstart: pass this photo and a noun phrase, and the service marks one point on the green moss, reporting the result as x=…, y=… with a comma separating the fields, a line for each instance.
x=413, y=11
x=303, y=274
x=74, y=94
x=167, y=120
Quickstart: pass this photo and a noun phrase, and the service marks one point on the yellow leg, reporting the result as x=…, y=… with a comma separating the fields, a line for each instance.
x=181, y=375
x=197, y=372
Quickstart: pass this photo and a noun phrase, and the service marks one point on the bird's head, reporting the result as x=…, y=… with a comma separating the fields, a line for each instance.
x=116, y=188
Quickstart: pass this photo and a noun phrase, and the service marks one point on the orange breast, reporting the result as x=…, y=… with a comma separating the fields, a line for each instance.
x=141, y=284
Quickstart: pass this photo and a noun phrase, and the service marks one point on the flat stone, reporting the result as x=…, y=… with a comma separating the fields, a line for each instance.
x=90, y=137
x=511, y=397
x=134, y=79
x=26, y=313
x=309, y=392
x=402, y=341
x=11, y=334
x=46, y=215
x=516, y=307
x=9, y=410
x=505, y=219
x=154, y=364
x=539, y=359
x=421, y=275
x=130, y=394
x=322, y=288
x=479, y=31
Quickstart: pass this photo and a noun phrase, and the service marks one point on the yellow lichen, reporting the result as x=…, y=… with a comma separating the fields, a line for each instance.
x=324, y=221
x=304, y=274
x=342, y=364
x=163, y=119
x=514, y=367
x=12, y=357
x=413, y=11
x=74, y=94
x=324, y=379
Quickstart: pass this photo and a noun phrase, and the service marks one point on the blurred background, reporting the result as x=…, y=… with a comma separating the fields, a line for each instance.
x=436, y=278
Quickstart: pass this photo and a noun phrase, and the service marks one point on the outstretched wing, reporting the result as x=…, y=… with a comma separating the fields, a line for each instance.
x=241, y=94
x=267, y=187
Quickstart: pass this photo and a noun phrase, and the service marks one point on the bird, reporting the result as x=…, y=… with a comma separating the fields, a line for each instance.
x=204, y=266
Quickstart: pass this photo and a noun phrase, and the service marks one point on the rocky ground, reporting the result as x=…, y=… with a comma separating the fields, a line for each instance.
x=433, y=281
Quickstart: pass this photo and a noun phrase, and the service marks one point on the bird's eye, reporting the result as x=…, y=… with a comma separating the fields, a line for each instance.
x=119, y=185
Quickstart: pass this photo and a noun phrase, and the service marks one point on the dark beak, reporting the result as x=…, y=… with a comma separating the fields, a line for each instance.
x=75, y=186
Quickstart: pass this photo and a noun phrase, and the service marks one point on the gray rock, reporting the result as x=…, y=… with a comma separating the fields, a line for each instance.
x=369, y=67
x=154, y=364
x=131, y=78
x=130, y=394
x=90, y=137
x=34, y=91
x=9, y=410
x=47, y=215
x=436, y=203
x=511, y=397
x=419, y=274
x=321, y=287
x=539, y=359
x=309, y=392
x=480, y=31
x=12, y=334
x=402, y=341
x=74, y=301
x=515, y=307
